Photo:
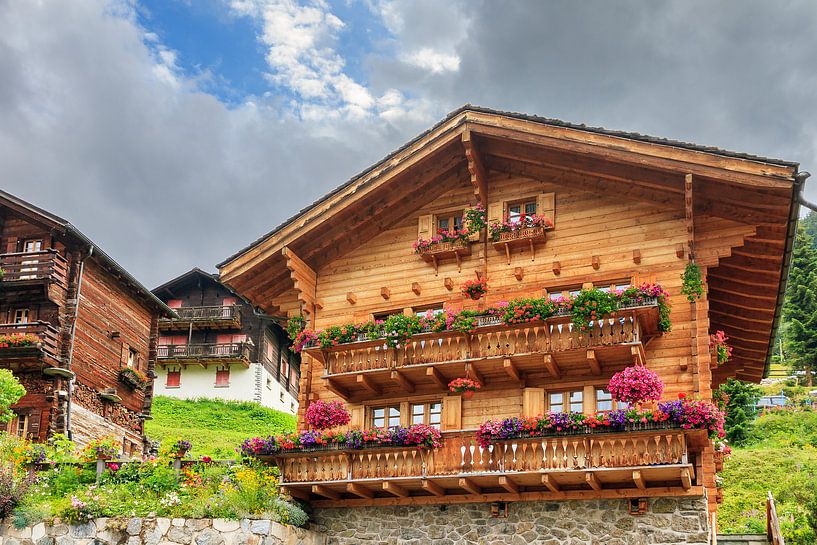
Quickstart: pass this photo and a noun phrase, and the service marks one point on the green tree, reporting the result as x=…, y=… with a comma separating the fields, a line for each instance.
x=738, y=398
x=10, y=393
x=800, y=306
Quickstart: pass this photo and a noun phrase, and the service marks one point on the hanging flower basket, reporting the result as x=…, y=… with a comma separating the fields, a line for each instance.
x=474, y=289
x=636, y=385
x=322, y=415
x=465, y=386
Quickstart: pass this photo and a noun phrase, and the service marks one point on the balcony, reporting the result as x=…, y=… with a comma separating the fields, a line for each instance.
x=33, y=268
x=42, y=354
x=216, y=317
x=640, y=463
x=204, y=354
x=494, y=353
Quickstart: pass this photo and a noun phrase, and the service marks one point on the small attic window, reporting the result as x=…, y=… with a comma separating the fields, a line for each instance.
x=448, y=221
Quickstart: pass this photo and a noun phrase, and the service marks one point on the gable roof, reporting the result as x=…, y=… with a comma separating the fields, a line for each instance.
x=63, y=226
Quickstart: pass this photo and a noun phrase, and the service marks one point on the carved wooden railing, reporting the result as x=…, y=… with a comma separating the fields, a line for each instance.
x=44, y=265
x=460, y=455
x=204, y=351
x=492, y=338
x=205, y=313
x=47, y=333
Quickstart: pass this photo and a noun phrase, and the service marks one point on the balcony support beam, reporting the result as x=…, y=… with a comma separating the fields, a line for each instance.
x=512, y=370
x=592, y=481
x=479, y=178
x=551, y=366
x=359, y=490
x=639, y=481
x=434, y=488
x=437, y=377
x=304, y=280
x=326, y=492
x=469, y=486
x=404, y=383
x=333, y=387
x=366, y=382
x=593, y=362
x=686, y=479
x=508, y=484
x=299, y=494
x=395, y=489
x=551, y=484
x=471, y=371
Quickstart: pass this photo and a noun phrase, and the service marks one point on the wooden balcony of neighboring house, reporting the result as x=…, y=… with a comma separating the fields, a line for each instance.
x=653, y=461
x=42, y=354
x=204, y=354
x=32, y=269
x=495, y=354
x=215, y=317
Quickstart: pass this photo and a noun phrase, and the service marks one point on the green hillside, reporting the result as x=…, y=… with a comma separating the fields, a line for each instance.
x=214, y=427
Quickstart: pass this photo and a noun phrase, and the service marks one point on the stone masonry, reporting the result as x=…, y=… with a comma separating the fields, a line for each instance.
x=593, y=522
x=162, y=531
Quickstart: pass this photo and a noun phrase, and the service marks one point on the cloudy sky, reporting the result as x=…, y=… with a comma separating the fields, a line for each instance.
x=174, y=132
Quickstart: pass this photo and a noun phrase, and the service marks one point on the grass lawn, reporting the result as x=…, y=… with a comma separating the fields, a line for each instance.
x=214, y=427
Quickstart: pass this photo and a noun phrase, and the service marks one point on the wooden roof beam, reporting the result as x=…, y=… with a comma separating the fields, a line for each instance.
x=303, y=277
x=395, y=489
x=479, y=176
x=551, y=366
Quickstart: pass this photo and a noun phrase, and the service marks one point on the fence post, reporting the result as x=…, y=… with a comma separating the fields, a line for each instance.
x=100, y=468
x=177, y=465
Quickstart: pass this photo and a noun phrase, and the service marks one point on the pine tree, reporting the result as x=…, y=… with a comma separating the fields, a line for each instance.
x=739, y=400
x=800, y=306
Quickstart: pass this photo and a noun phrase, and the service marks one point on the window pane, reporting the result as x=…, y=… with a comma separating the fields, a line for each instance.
x=458, y=222
x=557, y=403
x=418, y=413
x=442, y=224
x=604, y=400
x=378, y=418
x=576, y=404
x=514, y=211
x=394, y=417
x=530, y=208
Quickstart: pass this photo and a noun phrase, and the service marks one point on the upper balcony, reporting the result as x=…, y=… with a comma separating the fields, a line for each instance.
x=23, y=269
x=494, y=352
x=34, y=345
x=204, y=354
x=215, y=317
x=654, y=460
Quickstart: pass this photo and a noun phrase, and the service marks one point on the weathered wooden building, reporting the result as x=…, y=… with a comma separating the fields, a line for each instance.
x=78, y=331
x=623, y=209
x=219, y=346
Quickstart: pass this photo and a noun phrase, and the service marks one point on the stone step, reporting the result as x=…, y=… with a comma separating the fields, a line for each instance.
x=742, y=539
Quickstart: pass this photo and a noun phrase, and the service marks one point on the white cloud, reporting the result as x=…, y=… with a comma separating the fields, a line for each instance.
x=433, y=61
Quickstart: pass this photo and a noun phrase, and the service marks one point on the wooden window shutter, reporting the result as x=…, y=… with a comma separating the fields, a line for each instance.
x=546, y=206
x=123, y=362
x=425, y=227
x=495, y=212
x=358, y=417
x=452, y=413
x=533, y=402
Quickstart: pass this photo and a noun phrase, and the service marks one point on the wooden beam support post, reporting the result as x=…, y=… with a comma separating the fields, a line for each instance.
x=415, y=287
x=336, y=389
x=326, y=492
x=592, y=481
x=366, y=382
x=469, y=486
x=593, y=362
x=511, y=370
x=557, y=268
x=449, y=284
x=434, y=488
x=551, y=366
x=689, y=208
x=518, y=273
x=395, y=489
x=639, y=481
x=304, y=279
x=437, y=377
x=508, y=484
x=359, y=490
x=351, y=298
x=479, y=176
x=385, y=293
x=471, y=371
x=550, y=483
x=297, y=493
x=404, y=383
x=686, y=479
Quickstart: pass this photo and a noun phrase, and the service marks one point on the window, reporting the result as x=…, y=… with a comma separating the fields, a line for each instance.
x=133, y=358
x=283, y=370
x=518, y=209
x=19, y=426
x=21, y=316
x=33, y=246
x=228, y=301
x=427, y=413
x=449, y=221
x=222, y=377
x=174, y=379
x=572, y=401
x=386, y=417
x=174, y=303
x=604, y=400
x=282, y=396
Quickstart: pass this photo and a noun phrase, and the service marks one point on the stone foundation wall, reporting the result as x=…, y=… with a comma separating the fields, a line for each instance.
x=162, y=531
x=668, y=520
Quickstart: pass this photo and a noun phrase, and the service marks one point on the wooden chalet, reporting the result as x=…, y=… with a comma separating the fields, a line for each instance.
x=218, y=346
x=624, y=209
x=86, y=320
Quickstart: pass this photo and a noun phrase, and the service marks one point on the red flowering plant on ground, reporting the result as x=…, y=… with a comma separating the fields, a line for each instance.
x=474, y=289
x=460, y=385
x=322, y=415
x=718, y=343
x=513, y=226
x=18, y=341
x=635, y=385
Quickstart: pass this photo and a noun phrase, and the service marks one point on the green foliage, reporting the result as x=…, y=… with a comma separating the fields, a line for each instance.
x=738, y=398
x=465, y=321
x=592, y=304
x=10, y=393
x=295, y=325
x=399, y=327
x=214, y=426
x=800, y=306
x=693, y=282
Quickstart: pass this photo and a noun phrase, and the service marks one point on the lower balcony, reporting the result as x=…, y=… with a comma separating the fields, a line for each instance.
x=204, y=354
x=651, y=462
x=28, y=346
x=494, y=353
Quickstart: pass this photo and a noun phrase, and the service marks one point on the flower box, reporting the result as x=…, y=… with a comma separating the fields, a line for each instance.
x=588, y=430
x=446, y=250
x=522, y=237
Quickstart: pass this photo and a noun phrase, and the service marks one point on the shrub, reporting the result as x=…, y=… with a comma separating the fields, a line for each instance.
x=13, y=487
x=10, y=393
